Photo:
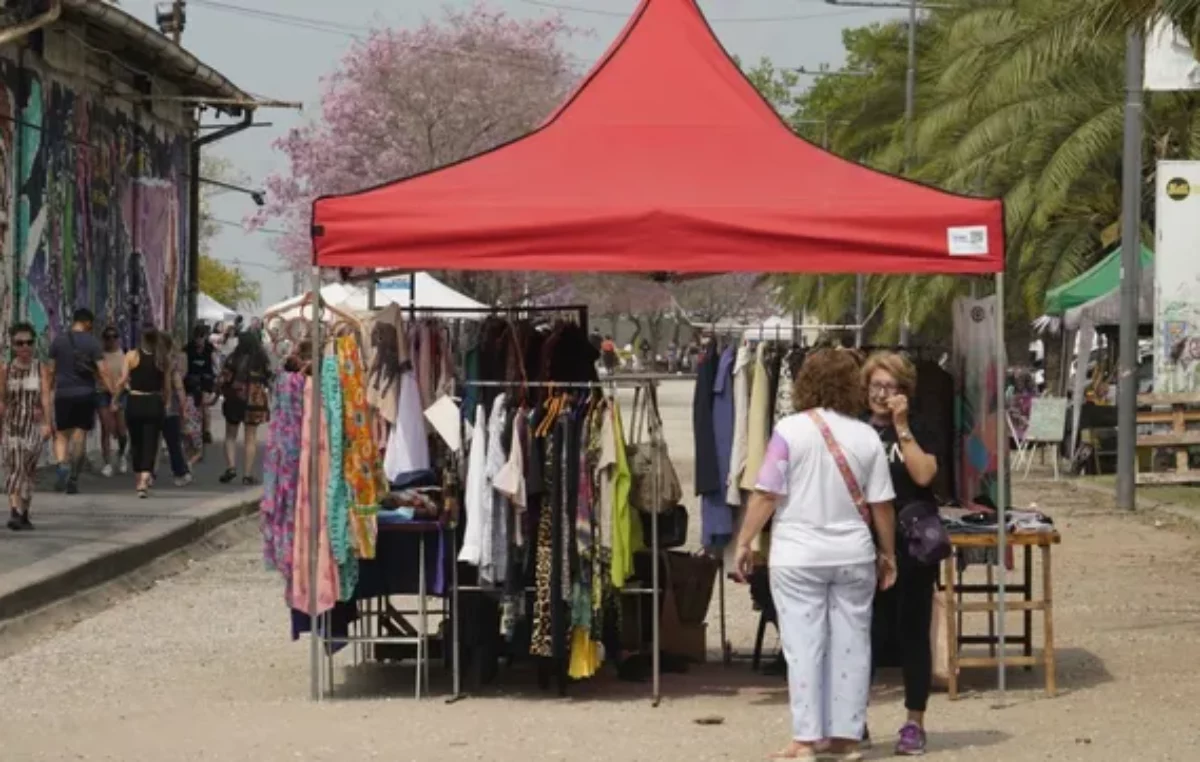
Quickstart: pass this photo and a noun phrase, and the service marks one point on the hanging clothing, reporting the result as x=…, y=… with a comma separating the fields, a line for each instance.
x=362, y=467
x=281, y=468
x=702, y=422
x=326, y=582
x=626, y=525
x=716, y=516
x=979, y=419
x=408, y=446
x=759, y=425
x=476, y=495
x=741, y=424
x=23, y=421
x=494, y=511
x=337, y=494
x=783, y=395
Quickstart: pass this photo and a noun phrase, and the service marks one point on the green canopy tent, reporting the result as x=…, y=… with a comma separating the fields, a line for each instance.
x=1102, y=279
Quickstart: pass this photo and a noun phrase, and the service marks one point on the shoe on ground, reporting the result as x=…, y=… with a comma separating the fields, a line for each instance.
x=14, y=522
x=107, y=471
x=25, y=523
x=72, y=487
x=184, y=480
x=61, y=476
x=122, y=466
x=912, y=741
x=228, y=476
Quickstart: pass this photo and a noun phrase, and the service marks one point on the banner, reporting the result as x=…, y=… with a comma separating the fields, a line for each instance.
x=1170, y=61
x=1177, y=277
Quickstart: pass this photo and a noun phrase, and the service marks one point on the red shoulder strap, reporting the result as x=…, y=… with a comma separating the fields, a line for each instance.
x=839, y=457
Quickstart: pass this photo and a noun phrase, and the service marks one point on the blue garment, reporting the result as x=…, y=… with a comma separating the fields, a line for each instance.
x=716, y=516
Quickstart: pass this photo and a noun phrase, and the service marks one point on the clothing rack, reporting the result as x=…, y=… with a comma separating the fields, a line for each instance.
x=558, y=637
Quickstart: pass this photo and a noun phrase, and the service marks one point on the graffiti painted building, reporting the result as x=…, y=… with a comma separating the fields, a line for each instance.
x=97, y=122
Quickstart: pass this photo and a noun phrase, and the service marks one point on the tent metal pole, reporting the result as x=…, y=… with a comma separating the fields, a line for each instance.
x=860, y=287
x=1001, y=485
x=314, y=484
x=658, y=445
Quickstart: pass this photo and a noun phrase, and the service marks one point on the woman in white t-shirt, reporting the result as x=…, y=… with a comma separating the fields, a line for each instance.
x=824, y=477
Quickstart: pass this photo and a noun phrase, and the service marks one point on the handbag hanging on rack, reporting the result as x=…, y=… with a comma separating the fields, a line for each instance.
x=649, y=460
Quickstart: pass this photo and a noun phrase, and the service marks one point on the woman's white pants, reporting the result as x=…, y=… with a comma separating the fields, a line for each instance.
x=825, y=626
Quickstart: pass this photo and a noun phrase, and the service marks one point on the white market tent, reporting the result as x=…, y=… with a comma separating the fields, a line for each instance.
x=209, y=310
x=431, y=295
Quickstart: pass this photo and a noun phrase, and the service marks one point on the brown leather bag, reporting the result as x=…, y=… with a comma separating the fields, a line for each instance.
x=649, y=460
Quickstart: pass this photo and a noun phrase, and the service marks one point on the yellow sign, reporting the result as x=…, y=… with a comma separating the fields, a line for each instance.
x=1178, y=189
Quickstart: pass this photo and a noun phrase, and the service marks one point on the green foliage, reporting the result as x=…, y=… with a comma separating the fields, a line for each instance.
x=227, y=284
x=1023, y=100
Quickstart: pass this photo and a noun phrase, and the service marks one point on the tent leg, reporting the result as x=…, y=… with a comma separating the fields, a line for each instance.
x=1001, y=482
x=314, y=487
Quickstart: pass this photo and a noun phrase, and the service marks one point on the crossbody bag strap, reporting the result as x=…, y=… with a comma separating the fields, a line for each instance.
x=839, y=457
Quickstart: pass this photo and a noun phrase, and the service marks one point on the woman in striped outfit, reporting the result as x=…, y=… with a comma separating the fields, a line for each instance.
x=25, y=416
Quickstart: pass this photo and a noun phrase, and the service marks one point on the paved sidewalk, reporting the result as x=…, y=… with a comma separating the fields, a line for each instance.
x=105, y=531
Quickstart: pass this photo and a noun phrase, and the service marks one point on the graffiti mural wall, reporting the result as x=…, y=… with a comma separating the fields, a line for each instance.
x=93, y=207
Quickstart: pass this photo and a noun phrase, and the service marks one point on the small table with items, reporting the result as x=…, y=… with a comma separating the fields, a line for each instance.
x=962, y=543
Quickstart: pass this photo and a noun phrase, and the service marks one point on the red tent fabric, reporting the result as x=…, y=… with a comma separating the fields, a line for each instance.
x=665, y=159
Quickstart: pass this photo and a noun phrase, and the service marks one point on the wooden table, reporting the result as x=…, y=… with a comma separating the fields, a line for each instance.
x=955, y=606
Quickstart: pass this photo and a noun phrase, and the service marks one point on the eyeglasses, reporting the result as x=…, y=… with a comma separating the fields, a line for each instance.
x=883, y=388
x=23, y=343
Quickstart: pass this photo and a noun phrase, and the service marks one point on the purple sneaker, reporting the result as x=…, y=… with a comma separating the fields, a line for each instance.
x=912, y=740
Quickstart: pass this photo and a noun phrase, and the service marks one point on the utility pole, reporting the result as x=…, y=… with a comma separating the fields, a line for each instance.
x=171, y=18
x=910, y=107
x=1131, y=270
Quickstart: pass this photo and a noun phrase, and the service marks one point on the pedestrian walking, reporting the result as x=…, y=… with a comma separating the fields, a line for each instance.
x=77, y=363
x=112, y=422
x=891, y=381
x=244, y=383
x=26, y=411
x=176, y=410
x=200, y=380
x=149, y=383
x=824, y=479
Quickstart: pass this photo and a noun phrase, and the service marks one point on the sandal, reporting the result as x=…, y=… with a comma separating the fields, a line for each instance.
x=795, y=751
x=249, y=481
x=229, y=475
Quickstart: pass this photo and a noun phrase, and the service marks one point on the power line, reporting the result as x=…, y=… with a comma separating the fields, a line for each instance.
x=512, y=59
x=711, y=20
x=232, y=224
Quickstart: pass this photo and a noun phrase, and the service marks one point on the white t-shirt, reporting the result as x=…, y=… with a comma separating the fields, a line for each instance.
x=816, y=522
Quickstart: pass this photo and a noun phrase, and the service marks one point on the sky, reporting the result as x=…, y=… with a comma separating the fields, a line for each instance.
x=280, y=49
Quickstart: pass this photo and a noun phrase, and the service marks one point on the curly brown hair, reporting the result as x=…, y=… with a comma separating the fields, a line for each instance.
x=829, y=378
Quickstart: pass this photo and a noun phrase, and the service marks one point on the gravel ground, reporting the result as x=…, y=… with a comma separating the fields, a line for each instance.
x=199, y=667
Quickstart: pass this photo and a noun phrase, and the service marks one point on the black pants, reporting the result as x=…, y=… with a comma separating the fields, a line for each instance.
x=144, y=415
x=903, y=617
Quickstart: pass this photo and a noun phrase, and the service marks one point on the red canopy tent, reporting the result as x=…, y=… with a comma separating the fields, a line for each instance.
x=665, y=159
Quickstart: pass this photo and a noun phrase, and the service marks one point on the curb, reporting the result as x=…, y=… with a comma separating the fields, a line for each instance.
x=64, y=574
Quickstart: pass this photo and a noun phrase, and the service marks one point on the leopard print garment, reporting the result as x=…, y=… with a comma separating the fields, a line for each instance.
x=540, y=641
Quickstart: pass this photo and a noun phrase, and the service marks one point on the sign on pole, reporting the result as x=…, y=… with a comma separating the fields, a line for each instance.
x=1177, y=278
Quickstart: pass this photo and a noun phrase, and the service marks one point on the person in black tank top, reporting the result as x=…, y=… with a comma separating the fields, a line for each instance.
x=903, y=614
x=146, y=379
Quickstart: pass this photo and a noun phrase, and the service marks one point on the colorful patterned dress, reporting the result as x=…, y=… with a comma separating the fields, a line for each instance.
x=363, y=469
x=281, y=471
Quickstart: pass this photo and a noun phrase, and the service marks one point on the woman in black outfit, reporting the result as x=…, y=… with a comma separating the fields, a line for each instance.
x=148, y=381
x=200, y=381
x=891, y=381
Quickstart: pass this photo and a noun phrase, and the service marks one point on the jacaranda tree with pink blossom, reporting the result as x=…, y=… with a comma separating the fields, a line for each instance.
x=404, y=101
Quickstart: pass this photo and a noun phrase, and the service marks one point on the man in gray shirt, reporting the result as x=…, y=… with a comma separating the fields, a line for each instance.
x=76, y=363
